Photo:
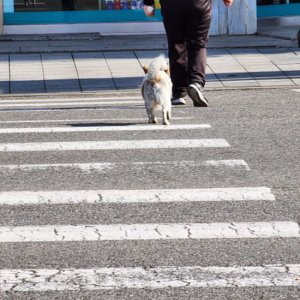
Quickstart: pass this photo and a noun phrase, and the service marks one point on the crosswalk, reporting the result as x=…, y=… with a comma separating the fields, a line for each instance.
x=132, y=192
x=155, y=278
x=137, y=165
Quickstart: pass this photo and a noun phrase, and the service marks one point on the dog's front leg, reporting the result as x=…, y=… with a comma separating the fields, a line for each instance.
x=169, y=114
x=153, y=118
x=151, y=115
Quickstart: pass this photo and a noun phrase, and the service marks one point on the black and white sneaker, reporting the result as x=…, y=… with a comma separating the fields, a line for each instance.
x=195, y=91
x=178, y=101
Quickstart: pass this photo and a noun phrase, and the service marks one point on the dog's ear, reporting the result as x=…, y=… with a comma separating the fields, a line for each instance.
x=145, y=69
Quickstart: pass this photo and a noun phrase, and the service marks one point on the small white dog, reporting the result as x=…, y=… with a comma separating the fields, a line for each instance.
x=157, y=89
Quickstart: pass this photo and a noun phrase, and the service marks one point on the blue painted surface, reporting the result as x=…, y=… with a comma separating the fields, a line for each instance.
x=67, y=17
x=278, y=10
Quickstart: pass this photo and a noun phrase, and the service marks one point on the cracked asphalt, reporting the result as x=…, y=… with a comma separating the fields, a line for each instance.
x=262, y=128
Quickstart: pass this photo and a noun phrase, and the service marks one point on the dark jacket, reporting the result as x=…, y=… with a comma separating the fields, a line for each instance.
x=149, y=2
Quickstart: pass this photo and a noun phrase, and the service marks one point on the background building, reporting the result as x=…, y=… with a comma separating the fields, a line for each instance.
x=126, y=16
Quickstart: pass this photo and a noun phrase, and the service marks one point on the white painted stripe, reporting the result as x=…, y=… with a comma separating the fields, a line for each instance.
x=146, y=127
x=77, y=108
x=85, y=120
x=136, y=196
x=296, y=91
x=42, y=280
x=228, y=163
x=113, y=145
x=71, y=104
x=64, y=100
x=118, y=232
x=98, y=167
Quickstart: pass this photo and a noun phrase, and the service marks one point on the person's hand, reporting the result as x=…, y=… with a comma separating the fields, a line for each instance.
x=149, y=10
x=228, y=2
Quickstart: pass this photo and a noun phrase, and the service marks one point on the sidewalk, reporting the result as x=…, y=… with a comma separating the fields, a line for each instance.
x=94, y=63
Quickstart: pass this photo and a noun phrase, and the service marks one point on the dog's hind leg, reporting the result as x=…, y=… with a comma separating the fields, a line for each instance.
x=166, y=116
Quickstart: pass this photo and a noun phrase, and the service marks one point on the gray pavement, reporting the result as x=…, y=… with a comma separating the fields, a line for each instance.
x=76, y=82
x=93, y=63
x=282, y=32
x=262, y=128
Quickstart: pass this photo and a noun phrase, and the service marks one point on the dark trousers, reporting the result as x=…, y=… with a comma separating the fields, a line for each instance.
x=68, y=5
x=187, y=24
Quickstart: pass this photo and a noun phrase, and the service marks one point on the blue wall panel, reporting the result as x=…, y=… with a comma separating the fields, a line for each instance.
x=59, y=17
x=278, y=10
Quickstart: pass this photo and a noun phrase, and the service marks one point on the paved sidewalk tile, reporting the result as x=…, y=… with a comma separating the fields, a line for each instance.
x=260, y=67
x=297, y=52
x=289, y=32
x=212, y=81
x=4, y=74
x=281, y=56
x=93, y=72
x=285, y=60
x=229, y=71
x=91, y=62
x=125, y=69
x=292, y=71
x=26, y=46
x=60, y=73
x=26, y=74
x=88, y=43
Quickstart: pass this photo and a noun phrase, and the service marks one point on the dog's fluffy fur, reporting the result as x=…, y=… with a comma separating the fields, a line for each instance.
x=157, y=89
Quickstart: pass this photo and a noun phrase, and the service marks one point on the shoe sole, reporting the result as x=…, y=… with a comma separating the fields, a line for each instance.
x=197, y=97
x=178, y=103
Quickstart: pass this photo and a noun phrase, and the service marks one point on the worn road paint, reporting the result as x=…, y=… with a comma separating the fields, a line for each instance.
x=100, y=167
x=37, y=104
x=113, y=145
x=89, y=121
x=65, y=100
x=136, y=196
x=85, y=128
x=118, y=232
x=42, y=280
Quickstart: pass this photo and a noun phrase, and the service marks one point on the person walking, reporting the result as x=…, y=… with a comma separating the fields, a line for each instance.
x=187, y=24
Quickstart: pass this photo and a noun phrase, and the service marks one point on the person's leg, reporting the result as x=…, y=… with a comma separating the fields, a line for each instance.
x=174, y=23
x=198, y=23
x=198, y=16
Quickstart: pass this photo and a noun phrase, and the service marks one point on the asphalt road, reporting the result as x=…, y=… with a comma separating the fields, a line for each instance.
x=259, y=134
